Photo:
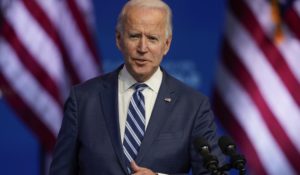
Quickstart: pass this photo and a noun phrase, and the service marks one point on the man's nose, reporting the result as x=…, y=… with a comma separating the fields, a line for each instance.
x=142, y=46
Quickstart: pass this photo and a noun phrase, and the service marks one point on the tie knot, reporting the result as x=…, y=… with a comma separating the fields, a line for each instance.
x=139, y=86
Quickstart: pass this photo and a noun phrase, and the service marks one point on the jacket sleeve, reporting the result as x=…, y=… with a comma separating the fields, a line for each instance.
x=65, y=153
x=204, y=127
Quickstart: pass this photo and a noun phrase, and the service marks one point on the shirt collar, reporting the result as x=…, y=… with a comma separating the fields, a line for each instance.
x=128, y=81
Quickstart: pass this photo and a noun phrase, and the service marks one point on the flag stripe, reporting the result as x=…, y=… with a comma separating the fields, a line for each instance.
x=82, y=26
x=21, y=21
x=36, y=70
x=293, y=22
x=232, y=125
x=51, y=22
x=258, y=83
x=297, y=7
x=80, y=55
x=289, y=46
x=25, y=113
x=245, y=16
x=249, y=117
x=233, y=64
x=44, y=21
x=42, y=54
x=29, y=89
x=249, y=53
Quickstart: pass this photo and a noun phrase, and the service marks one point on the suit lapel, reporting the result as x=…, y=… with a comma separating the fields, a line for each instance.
x=165, y=101
x=163, y=106
x=109, y=102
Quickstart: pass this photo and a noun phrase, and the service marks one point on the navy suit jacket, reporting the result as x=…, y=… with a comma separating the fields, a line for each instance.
x=89, y=139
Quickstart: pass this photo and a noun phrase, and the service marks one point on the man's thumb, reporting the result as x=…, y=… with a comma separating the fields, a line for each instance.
x=134, y=166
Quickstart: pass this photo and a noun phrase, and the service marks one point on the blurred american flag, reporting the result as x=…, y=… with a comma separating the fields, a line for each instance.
x=257, y=95
x=45, y=47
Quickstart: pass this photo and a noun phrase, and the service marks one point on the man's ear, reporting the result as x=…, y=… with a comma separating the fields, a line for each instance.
x=118, y=39
x=167, y=45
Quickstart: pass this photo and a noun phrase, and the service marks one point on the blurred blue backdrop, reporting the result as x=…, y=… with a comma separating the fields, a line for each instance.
x=198, y=27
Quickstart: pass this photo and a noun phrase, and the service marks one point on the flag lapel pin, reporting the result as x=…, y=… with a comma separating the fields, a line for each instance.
x=168, y=100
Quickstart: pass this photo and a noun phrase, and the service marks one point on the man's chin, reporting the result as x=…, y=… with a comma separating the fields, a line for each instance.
x=141, y=75
x=141, y=70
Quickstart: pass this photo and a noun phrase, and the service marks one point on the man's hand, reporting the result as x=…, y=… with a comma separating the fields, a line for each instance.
x=140, y=170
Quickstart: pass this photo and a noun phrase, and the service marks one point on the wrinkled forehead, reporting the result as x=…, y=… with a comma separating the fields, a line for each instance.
x=145, y=18
x=149, y=15
x=135, y=12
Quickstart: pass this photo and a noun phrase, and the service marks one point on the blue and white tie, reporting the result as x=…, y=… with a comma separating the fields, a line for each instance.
x=135, y=124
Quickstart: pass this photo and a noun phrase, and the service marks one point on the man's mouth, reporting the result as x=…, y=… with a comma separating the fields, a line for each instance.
x=140, y=61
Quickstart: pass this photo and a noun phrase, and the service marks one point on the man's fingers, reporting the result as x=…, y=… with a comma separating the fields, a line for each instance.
x=134, y=166
x=140, y=170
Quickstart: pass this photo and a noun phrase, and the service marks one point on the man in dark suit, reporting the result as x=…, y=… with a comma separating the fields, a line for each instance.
x=137, y=119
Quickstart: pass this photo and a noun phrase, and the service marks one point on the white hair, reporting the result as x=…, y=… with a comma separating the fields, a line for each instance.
x=146, y=4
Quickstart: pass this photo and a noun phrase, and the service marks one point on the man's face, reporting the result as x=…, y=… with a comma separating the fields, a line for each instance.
x=143, y=41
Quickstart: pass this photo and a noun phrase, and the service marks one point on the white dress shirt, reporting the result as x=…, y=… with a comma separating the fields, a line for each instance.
x=125, y=91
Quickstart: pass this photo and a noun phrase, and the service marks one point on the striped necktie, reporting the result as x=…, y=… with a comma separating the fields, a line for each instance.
x=135, y=124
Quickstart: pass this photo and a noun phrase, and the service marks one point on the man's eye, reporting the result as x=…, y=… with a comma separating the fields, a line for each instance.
x=153, y=38
x=133, y=36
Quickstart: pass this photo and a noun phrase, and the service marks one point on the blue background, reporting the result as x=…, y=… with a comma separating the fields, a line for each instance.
x=198, y=28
